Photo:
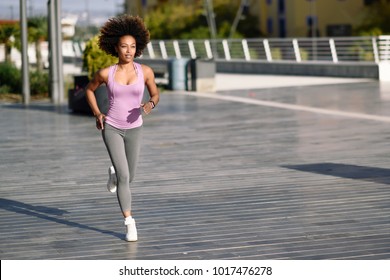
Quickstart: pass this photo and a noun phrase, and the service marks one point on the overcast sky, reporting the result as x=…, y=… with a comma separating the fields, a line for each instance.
x=98, y=10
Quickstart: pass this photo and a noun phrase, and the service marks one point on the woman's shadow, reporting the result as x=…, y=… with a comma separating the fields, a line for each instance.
x=49, y=214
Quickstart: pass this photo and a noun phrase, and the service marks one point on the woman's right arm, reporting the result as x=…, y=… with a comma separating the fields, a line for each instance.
x=99, y=78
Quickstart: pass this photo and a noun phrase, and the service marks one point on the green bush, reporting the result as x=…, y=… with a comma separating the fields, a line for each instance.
x=11, y=80
x=94, y=58
x=10, y=76
x=39, y=83
x=5, y=89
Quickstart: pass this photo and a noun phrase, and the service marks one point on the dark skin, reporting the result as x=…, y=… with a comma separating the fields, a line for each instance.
x=125, y=75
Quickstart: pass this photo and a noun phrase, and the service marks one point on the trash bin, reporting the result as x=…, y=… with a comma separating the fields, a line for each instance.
x=202, y=75
x=177, y=69
x=77, y=100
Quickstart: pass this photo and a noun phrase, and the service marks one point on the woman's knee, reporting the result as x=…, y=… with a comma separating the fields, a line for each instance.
x=131, y=178
x=123, y=177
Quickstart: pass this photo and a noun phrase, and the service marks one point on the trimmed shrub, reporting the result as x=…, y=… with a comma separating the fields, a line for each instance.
x=95, y=59
x=10, y=76
x=11, y=80
x=5, y=89
x=39, y=83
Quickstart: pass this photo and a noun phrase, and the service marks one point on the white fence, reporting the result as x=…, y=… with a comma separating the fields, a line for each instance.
x=348, y=49
x=338, y=49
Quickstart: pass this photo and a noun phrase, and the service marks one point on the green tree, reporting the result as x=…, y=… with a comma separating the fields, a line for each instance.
x=376, y=20
x=8, y=32
x=37, y=33
x=225, y=14
x=169, y=20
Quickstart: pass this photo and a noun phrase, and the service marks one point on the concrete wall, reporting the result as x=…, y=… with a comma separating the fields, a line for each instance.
x=330, y=69
x=351, y=70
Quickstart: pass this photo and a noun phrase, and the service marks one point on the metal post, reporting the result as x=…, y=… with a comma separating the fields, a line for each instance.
x=314, y=26
x=246, y=49
x=59, y=52
x=211, y=18
x=177, y=49
x=212, y=26
x=53, y=53
x=55, y=43
x=25, y=68
x=163, y=50
x=267, y=50
x=314, y=19
x=226, y=49
x=296, y=50
x=237, y=18
x=207, y=46
x=150, y=50
x=375, y=50
x=333, y=50
x=191, y=46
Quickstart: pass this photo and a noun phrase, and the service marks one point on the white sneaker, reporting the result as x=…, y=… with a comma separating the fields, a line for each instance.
x=131, y=229
x=112, y=181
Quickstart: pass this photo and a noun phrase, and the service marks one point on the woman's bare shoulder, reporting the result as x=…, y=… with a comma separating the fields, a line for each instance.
x=147, y=70
x=104, y=71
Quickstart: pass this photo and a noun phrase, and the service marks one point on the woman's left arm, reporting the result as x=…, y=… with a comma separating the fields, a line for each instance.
x=152, y=88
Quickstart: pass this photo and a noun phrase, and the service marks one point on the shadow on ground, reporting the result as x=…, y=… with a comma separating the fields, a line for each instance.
x=49, y=214
x=372, y=174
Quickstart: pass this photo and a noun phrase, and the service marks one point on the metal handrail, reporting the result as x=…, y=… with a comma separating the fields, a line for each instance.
x=333, y=50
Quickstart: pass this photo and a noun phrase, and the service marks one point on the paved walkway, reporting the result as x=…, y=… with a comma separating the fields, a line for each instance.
x=299, y=171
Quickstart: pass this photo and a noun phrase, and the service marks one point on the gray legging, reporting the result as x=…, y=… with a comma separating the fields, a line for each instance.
x=123, y=146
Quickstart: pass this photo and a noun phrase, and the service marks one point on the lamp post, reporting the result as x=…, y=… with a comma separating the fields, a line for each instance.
x=243, y=5
x=313, y=12
x=55, y=46
x=23, y=33
x=212, y=26
x=314, y=24
x=11, y=8
x=211, y=18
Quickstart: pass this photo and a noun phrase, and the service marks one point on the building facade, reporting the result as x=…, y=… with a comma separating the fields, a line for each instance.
x=290, y=18
x=313, y=18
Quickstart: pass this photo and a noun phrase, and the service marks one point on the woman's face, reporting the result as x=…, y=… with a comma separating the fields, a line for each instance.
x=126, y=48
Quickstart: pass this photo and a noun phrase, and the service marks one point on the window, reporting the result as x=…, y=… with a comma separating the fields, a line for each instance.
x=281, y=7
x=270, y=27
x=282, y=28
x=310, y=20
x=369, y=2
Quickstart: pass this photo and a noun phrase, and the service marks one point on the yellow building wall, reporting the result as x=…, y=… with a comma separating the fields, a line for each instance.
x=327, y=12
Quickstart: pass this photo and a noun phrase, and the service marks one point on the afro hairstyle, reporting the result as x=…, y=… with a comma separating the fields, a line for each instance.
x=119, y=26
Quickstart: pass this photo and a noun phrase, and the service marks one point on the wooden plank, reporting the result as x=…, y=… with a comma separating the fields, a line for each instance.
x=216, y=180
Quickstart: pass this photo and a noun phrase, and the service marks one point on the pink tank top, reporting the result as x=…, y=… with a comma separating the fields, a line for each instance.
x=124, y=111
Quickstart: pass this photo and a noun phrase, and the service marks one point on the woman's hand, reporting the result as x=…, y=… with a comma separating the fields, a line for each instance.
x=147, y=107
x=100, y=121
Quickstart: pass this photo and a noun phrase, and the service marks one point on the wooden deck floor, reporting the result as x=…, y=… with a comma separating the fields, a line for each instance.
x=217, y=179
